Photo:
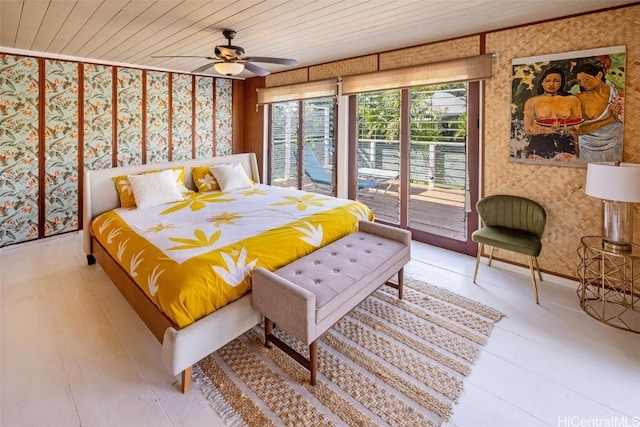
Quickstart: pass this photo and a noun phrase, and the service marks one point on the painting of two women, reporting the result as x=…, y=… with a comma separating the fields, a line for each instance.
x=568, y=109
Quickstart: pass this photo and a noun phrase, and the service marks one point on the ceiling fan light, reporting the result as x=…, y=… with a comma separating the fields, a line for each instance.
x=229, y=68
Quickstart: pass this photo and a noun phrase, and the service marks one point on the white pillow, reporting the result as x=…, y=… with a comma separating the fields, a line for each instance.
x=154, y=189
x=231, y=176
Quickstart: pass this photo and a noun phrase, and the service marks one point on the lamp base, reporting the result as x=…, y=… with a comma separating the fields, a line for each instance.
x=617, y=226
x=616, y=247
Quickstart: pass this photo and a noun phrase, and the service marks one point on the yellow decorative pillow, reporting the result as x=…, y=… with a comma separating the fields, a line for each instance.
x=179, y=172
x=203, y=179
x=126, y=193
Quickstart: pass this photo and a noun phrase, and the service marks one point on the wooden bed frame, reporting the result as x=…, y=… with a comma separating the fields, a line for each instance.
x=181, y=347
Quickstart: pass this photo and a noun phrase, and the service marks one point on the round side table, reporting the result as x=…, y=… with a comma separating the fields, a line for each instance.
x=609, y=287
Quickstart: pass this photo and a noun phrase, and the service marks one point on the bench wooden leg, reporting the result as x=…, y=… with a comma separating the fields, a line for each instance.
x=400, y=284
x=186, y=379
x=268, y=326
x=313, y=361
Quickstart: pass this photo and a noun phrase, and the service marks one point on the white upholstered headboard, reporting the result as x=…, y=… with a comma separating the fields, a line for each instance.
x=100, y=194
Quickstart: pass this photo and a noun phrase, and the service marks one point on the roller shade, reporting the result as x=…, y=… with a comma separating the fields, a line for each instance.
x=471, y=68
x=316, y=89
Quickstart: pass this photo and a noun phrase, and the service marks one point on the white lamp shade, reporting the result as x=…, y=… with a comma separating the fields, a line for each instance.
x=607, y=181
x=229, y=68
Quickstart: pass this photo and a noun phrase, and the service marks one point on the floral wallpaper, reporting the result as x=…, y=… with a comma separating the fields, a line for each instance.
x=204, y=117
x=181, y=117
x=157, y=117
x=18, y=149
x=61, y=147
x=224, y=111
x=129, y=129
x=98, y=120
x=23, y=143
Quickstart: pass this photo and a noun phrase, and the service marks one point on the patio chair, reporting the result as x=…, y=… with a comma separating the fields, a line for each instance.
x=512, y=223
x=319, y=175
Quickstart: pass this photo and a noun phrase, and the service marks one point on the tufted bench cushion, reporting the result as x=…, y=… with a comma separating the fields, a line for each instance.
x=340, y=271
x=308, y=296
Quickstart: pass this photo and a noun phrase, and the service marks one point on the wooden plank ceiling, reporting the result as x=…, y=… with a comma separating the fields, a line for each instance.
x=310, y=31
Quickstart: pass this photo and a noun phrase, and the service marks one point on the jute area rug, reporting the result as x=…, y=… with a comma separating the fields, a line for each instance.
x=389, y=362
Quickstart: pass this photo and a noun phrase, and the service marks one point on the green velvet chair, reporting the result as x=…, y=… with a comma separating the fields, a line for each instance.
x=512, y=223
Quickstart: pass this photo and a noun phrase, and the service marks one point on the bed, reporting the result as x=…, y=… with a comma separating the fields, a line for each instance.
x=209, y=322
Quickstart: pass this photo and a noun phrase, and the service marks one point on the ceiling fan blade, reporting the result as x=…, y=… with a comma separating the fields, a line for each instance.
x=283, y=61
x=203, y=68
x=183, y=56
x=255, y=69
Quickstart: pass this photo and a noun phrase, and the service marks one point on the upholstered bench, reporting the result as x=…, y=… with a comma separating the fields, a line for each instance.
x=308, y=296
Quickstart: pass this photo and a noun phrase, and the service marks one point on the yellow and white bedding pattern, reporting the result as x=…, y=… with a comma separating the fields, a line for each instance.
x=194, y=256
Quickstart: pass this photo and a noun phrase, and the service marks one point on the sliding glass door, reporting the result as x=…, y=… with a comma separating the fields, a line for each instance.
x=438, y=160
x=283, y=147
x=415, y=151
x=378, y=153
x=302, y=145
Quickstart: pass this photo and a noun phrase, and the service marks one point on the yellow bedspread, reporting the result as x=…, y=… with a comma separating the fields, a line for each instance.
x=195, y=256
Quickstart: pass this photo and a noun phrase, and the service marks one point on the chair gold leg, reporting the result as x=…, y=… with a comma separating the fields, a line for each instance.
x=535, y=261
x=533, y=278
x=475, y=274
x=491, y=255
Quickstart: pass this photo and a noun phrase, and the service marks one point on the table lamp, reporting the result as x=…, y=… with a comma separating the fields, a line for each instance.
x=618, y=184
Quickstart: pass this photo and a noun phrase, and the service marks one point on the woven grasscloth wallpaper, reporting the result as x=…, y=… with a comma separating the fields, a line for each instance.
x=570, y=213
x=458, y=48
x=560, y=190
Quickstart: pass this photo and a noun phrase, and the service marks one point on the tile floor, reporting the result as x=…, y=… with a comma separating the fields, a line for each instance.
x=73, y=353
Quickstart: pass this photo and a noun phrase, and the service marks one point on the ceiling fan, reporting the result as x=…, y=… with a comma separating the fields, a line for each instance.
x=230, y=60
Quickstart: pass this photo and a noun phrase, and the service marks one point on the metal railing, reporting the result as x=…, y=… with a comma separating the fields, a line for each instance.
x=438, y=163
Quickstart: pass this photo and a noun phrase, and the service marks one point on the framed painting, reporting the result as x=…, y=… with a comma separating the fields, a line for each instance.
x=567, y=109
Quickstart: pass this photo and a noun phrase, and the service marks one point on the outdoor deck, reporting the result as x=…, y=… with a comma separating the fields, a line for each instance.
x=438, y=211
